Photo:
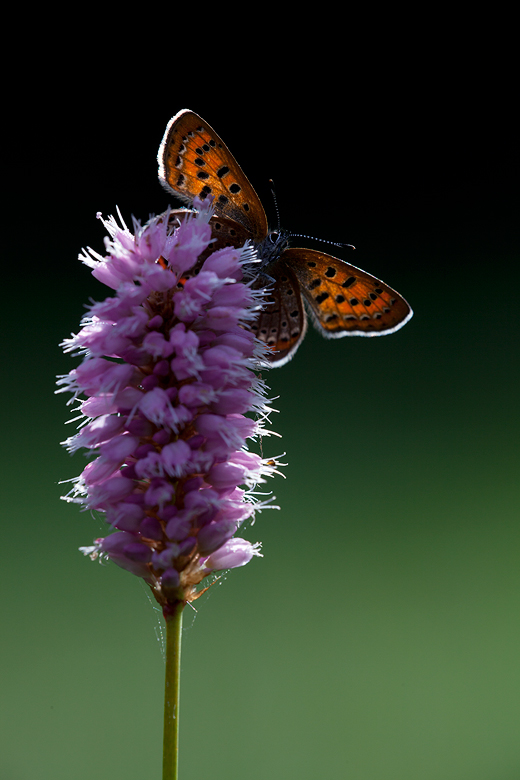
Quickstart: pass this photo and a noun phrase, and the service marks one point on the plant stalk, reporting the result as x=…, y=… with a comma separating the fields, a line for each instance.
x=172, y=692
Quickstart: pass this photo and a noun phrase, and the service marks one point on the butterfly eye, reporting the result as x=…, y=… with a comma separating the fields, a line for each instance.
x=273, y=236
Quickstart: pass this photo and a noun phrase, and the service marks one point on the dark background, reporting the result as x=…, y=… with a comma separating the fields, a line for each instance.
x=378, y=638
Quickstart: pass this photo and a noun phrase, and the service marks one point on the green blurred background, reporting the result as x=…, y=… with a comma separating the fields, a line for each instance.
x=378, y=639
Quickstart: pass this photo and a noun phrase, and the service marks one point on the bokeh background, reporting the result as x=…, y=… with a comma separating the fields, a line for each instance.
x=378, y=639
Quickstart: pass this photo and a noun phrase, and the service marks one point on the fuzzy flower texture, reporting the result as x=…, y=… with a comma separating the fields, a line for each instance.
x=168, y=376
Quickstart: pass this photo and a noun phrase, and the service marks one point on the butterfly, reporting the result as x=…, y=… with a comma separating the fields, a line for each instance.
x=341, y=299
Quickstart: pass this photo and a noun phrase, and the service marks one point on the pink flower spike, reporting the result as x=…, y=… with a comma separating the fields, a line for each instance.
x=169, y=394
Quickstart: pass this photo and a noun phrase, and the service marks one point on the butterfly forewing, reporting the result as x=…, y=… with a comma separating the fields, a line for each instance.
x=195, y=162
x=343, y=299
x=227, y=232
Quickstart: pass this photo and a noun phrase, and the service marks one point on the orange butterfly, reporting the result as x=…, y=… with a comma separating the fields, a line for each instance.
x=343, y=300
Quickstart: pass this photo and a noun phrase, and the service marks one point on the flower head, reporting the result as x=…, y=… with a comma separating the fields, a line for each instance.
x=167, y=378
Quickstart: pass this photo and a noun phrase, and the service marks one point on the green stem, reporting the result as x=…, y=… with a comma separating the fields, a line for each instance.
x=171, y=692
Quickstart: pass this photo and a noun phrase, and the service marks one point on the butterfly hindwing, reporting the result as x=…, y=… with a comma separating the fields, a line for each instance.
x=343, y=299
x=195, y=162
x=282, y=322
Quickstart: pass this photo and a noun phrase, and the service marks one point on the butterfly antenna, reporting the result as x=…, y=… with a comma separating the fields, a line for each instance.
x=323, y=240
x=271, y=182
